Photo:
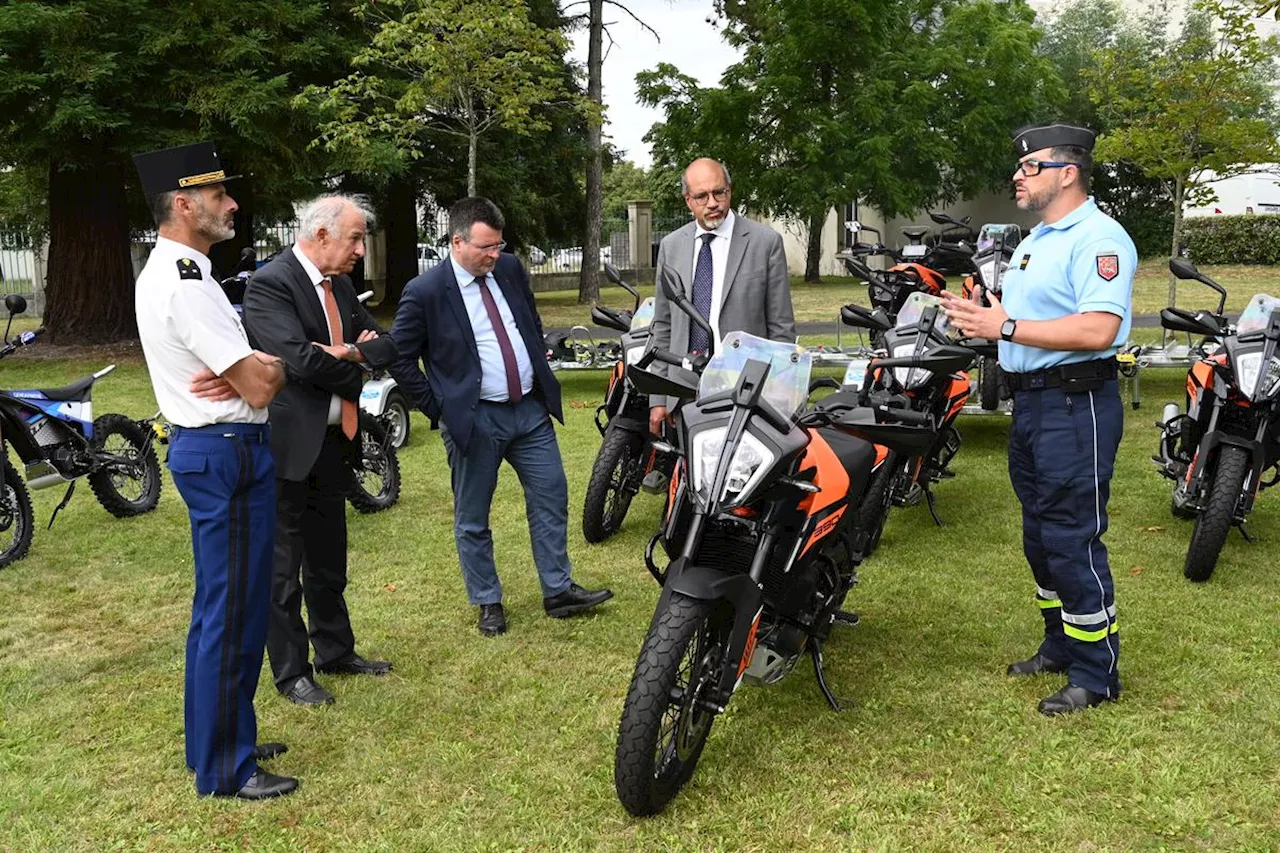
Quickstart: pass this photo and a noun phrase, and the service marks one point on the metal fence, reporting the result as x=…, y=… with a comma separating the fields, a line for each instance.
x=18, y=273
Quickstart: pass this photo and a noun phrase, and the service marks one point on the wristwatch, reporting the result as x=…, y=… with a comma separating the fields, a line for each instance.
x=351, y=350
x=1007, y=328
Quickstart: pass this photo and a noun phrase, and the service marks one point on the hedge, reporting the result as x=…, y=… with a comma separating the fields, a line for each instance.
x=1244, y=239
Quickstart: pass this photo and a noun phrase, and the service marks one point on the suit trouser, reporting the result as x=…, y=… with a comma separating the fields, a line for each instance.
x=225, y=474
x=1062, y=451
x=521, y=434
x=311, y=542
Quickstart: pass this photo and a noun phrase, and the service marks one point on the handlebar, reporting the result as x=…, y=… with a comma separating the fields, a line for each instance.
x=659, y=355
x=21, y=340
x=907, y=416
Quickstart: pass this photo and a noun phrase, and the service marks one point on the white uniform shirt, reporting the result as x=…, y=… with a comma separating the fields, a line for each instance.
x=335, y=402
x=719, y=259
x=187, y=325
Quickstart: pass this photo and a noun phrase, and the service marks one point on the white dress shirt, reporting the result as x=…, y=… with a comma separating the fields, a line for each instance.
x=317, y=279
x=493, y=370
x=719, y=259
x=186, y=325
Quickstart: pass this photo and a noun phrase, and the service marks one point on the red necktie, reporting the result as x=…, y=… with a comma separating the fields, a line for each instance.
x=349, y=417
x=504, y=343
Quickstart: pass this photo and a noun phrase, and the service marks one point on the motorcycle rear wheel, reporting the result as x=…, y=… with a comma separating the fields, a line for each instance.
x=125, y=491
x=375, y=478
x=663, y=728
x=615, y=479
x=396, y=419
x=1215, y=521
x=988, y=383
x=15, y=516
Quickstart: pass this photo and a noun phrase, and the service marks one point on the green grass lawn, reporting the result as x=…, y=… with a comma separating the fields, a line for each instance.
x=821, y=302
x=507, y=743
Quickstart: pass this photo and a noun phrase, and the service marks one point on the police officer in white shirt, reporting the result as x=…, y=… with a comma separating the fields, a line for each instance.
x=214, y=388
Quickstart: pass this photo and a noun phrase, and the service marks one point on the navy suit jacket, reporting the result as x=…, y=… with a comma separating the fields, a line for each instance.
x=432, y=326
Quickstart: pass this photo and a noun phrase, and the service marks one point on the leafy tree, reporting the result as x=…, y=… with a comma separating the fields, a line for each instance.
x=1202, y=104
x=87, y=83
x=624, y=181
x=453, y=67
x=1075, y=37
x=906, y=105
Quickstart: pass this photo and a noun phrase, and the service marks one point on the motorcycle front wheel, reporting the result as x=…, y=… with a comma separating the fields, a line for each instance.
x=15, y=515
x=375, y=479
x=665, y=721
x=615, y=479
x=127, y=483
x=1219, y=513
x=988, y=383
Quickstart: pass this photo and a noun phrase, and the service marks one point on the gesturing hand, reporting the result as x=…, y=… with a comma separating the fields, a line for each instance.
x=973, y=320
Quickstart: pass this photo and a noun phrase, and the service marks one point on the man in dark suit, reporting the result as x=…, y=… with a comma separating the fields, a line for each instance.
x=733, y=270
x=302, y=307
x=473, y=323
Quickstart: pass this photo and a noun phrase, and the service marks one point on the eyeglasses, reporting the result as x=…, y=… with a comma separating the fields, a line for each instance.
x=701, y=198
x=492, y=247
x=1032, y=167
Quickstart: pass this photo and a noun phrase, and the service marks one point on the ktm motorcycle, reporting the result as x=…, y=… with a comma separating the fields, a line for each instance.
x=763, y=536
x=626, y=453
x=990, y=262
x=922, y=329
x=1218, y=452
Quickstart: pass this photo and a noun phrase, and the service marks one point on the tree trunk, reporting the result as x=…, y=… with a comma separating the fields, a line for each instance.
x=89, y=286
x=1179, y=197
x=401, y=226
x=813, y=254
x=589, y=278
x=472, y=139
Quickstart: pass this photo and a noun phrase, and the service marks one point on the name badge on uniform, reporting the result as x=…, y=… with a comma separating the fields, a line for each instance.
x=1026, y=259
x=1108, y=266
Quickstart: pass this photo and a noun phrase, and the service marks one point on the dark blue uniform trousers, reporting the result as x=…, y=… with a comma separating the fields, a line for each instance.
x=1062, y=451
x=226, y=476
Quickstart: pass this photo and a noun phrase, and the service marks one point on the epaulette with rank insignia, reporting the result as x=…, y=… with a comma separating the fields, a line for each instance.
x=187, y=269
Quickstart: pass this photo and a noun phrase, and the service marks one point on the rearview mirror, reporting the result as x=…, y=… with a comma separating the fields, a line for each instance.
x=16, y=303
x=1183, y=269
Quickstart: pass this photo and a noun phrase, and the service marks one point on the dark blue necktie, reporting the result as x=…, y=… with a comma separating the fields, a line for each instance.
x=703, y=280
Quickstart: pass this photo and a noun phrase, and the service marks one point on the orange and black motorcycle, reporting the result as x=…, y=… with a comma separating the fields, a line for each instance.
x=889, y=290
x=763, y=536
x=1219, y=450
x=922, y=329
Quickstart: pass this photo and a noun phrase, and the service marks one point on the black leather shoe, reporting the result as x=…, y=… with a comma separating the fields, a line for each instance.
x=268, y=751
x=1070, y=699
x=263, y=786
x=356, y=665
x=493, y=621
x=574, y=600
x=1037, y=664
x=305, y=691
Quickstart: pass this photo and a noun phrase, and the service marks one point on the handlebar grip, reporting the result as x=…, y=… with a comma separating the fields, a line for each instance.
x=907, y=416
x=666, y=357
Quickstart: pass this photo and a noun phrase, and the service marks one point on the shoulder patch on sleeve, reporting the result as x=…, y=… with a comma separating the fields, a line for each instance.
x=1108, y=266
x=188, y=269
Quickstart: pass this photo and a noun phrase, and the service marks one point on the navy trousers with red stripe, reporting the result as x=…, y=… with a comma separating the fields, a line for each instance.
x=226, y=476
x=1062, y=452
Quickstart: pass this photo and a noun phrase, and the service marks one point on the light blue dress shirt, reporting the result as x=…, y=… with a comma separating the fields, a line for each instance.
x=1083, y=262
x=493, y=371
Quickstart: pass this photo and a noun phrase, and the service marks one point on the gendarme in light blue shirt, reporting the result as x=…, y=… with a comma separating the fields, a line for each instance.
x=493, y=372
x=1083, y=262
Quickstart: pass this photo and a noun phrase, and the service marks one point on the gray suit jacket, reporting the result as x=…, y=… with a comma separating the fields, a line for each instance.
x=757, y=289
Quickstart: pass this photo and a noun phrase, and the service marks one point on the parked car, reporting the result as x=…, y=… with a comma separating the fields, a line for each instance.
x=571, y=258
x=428, y=257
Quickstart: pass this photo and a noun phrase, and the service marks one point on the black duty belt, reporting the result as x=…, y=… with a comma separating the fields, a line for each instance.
x=1080, y=376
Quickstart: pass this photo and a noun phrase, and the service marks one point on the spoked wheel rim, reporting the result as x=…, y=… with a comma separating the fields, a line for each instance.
x=132, y=479
x=372, y=474
x=684, y=724
x=618, y=497
x=9, y=516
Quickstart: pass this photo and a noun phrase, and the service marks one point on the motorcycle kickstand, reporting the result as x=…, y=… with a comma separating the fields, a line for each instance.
x=815, y=652
x=1248, y=537
x=66, y=499
x=933, y=510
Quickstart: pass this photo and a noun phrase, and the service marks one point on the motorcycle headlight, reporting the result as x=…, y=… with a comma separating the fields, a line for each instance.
x=750, y=461
x=633, y=354
x=1248, y=371
x=910, y=377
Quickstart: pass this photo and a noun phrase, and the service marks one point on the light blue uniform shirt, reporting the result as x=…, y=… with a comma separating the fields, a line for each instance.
x=493, y=371
x=1083, y=262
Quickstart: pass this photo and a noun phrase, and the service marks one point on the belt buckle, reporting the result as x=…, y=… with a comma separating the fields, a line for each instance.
x=1036, y=381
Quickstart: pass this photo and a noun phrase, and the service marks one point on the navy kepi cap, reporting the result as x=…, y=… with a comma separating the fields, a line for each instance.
x=180, y=168
x=1033, y=137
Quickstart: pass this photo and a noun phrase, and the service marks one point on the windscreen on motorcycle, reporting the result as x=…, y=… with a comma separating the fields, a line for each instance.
x=787, y=386
x=909, y=344
x=1257, y=314
x=644, y=315
x=1248, y=358
x=990, y=236
x=995, y=246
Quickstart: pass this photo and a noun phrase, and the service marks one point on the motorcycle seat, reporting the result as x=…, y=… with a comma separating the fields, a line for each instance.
x=855, y=454
x=77, y=391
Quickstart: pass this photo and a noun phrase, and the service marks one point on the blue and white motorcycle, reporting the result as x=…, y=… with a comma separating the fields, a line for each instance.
x=54, y=433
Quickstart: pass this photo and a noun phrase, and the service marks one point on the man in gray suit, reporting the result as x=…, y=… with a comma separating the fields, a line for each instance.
x=733, y=270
